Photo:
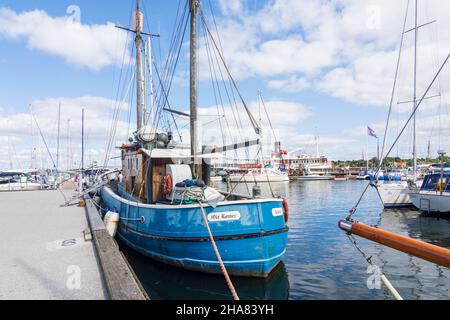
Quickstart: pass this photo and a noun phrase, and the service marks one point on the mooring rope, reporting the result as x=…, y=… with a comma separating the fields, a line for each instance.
x=222, y=265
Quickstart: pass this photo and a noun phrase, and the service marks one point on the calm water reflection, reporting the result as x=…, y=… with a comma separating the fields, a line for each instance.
x=320, y=262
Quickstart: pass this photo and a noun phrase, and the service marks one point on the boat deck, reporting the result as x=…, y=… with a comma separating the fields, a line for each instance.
x=44, y=254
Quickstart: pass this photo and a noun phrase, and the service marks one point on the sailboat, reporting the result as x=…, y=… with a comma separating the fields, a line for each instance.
x=162, y=195
x=396, y=193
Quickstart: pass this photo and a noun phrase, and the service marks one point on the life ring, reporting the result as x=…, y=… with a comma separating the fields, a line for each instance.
x=167, y=185
x=286, y=210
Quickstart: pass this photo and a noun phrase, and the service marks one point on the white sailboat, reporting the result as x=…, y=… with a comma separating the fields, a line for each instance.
x=396, y=193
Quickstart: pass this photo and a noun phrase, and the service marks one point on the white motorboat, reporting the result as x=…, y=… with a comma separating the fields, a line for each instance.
x=10, y=182
x=19, y=186
x=216, y=179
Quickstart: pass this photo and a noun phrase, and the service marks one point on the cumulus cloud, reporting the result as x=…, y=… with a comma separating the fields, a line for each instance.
x=222, y=126
x=92, y=46
x=21, y=131
x=344, y=48
x=292, y=84
x=430, y=128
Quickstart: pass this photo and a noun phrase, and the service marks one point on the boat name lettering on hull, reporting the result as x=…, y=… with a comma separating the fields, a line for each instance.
x=276, y=212
x=224, y=216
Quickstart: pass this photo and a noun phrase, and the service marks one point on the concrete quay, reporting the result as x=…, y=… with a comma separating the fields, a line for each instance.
x=50, y=251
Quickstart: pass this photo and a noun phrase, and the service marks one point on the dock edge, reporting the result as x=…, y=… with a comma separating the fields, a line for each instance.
x=119, y=278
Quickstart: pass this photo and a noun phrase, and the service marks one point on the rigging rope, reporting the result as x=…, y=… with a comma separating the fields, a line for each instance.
x=114, y=120
x=252, y=119
x=217, y=60
x=353, y=210
x=268, y=118
x=394, y=85
x=169, y=72
x=48, y=151
x=383, y=157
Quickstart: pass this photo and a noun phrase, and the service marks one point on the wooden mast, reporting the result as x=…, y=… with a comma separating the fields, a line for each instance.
x=197, y=165
x=138, y=23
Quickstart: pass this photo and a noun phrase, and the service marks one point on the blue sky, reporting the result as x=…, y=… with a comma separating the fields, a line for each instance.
x=323, y=67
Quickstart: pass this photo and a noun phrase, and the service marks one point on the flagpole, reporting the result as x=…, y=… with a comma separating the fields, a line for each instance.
x=367, y=152
x=378, y=150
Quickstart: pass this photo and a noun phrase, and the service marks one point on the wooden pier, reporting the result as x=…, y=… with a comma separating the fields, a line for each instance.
x=52, y=252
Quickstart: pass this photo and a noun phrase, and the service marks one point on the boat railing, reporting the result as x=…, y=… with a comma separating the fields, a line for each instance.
x=236, y=195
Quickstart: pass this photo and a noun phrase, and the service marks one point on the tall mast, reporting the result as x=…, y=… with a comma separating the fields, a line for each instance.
x=69, y=162
x=193, y=7
x=144, y=90
x=33, y=148
x=150, y=65
x=138, y=41
x=82, y=152
x=415, y=95
x=138, y=18
x=57, y=140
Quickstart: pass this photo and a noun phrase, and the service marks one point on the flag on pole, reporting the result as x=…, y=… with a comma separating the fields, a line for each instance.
x=371, y=132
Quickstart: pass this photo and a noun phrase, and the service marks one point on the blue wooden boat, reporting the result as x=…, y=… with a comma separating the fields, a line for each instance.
x=250, y=232
x=251, y=244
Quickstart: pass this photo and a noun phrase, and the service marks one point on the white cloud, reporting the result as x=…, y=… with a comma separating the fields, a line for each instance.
x=292, y=84
x=236, y=127
x=344, y=48
x=22, y=132
x=91, y=46
x=231, y=6
x=429, y=128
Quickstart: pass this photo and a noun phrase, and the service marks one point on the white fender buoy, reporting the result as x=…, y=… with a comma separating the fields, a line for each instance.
x=111, y=221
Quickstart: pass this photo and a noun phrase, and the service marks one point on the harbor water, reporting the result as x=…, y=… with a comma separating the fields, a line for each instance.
x=320, y=261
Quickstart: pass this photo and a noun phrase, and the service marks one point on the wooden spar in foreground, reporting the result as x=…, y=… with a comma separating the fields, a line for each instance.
x=420, y=249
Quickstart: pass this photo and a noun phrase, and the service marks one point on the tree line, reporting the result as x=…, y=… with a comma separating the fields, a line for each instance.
x=389, y=162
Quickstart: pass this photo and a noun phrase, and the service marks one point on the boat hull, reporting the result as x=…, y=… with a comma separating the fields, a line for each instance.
x=251, y=243
x=18, y=186
x=431, y=201
x=314, y=178
x=249, y=178
x=394, y=194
